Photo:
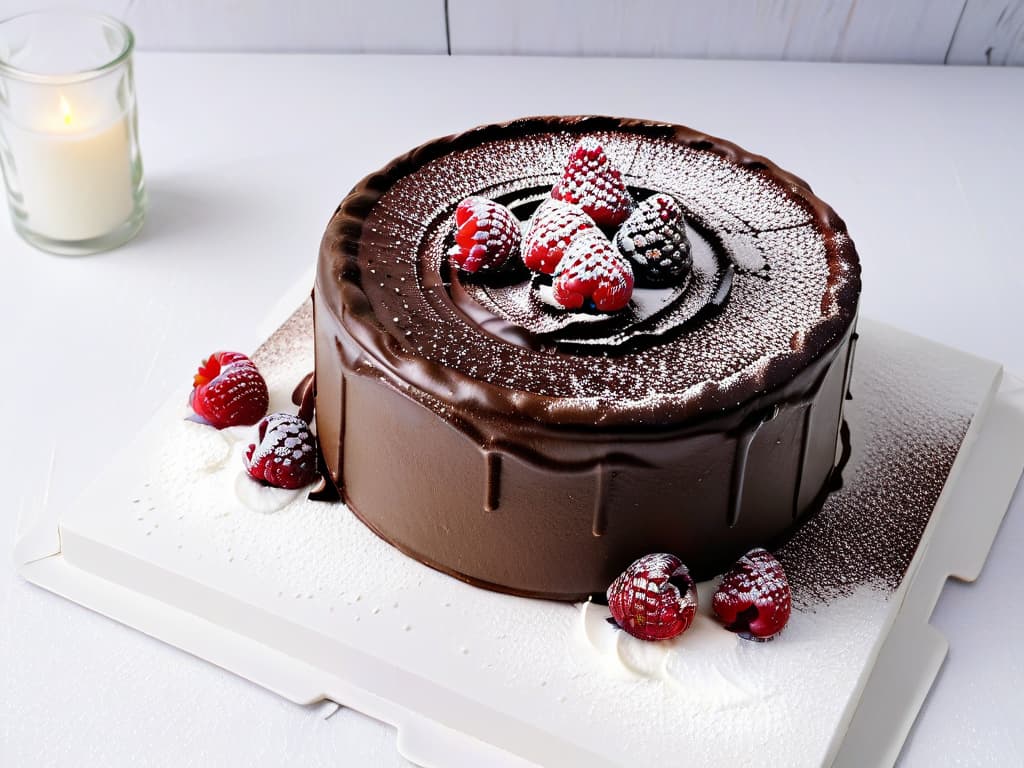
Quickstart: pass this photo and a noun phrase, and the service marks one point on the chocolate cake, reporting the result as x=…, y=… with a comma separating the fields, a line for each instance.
x=540, y=453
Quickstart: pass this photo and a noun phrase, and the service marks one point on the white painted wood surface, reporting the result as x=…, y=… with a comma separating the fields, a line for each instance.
x=990, y=32
x=897, y=31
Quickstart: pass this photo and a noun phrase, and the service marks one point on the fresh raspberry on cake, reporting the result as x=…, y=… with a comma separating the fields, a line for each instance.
x=590, y=181
x=228, y=391
x=655, y=598
x=553, y=226
x=284, y=454
x=753, y=599
x=592, y=276
x=654, y=241
x=486, y=235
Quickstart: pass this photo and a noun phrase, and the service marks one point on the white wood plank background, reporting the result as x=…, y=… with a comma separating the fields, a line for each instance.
x=990, y=32
x=976, y=32
x=808, y=30
x=911, y=31
x=344, y=26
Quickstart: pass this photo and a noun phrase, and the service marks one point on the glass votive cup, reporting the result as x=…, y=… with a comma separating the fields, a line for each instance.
x=69, y=145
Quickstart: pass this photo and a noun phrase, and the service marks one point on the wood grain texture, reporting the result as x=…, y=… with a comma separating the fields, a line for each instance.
x=911, y=31
x=990, y=32
x=806, y=30
x=335, y=26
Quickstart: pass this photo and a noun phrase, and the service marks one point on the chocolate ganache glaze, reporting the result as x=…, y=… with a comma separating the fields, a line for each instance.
x=542, y=459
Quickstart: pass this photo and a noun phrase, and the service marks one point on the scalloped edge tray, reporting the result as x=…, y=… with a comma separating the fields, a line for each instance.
x=283, y=657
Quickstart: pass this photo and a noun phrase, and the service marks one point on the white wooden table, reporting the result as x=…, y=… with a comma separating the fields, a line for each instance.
x=246, y=157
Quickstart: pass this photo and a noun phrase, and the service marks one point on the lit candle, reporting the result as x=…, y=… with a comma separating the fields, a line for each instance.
x=72, y=163
x=75, y=177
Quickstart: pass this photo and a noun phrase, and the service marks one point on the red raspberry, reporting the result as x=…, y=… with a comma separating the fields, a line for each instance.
x=552, y=228
x=592, y=275
x=590, y=182
x=754, y=598
x=285, y=454
x=655, y=598
x=228, y=391
x=486, y=235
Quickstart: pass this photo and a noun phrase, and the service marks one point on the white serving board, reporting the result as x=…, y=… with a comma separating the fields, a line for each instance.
x=308, y=603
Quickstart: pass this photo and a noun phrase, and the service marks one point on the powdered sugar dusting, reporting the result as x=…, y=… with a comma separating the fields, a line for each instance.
x=908, y=418
x=728, y=197
x=757, y=583
x=709, y=695
x=286, y=357
x=776, y=298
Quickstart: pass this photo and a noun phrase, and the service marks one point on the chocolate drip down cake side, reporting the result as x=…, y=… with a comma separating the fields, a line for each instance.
x=529, y=379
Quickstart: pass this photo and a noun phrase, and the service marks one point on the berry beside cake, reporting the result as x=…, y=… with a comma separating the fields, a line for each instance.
x=550, y=347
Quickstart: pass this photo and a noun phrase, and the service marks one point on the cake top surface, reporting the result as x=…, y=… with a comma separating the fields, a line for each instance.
x=795, y=278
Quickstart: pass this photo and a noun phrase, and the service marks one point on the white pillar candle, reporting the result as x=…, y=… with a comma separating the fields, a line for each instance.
x=69, y=146
x=75, y=178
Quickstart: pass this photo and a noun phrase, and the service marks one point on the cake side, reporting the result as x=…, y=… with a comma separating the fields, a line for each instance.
x=463, y=457
x=557, y=514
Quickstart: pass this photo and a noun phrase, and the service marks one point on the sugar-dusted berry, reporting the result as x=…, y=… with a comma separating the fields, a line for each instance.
x=754, y=599
x=554, y=225
x=654, y=241
x=228, y=390
x=655, y=598
x=487, y=234
x=284, y=452
x=591, y=276
x=590, y=181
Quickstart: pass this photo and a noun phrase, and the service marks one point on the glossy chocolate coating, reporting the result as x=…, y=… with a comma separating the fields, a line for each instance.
x=543, y=471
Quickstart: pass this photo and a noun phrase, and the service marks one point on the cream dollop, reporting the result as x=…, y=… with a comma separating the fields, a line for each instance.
x=257, y=496
x=706, y=660
x=263, y=498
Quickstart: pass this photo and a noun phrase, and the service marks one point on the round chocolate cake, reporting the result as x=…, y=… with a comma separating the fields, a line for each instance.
x=526, y=444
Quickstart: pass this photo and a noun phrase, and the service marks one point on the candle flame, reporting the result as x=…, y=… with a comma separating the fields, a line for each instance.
x=65, y=111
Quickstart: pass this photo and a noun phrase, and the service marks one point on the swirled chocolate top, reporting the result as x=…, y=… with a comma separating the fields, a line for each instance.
x=795, y=280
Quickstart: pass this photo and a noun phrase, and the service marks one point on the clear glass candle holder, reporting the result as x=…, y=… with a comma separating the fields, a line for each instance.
x=69, y=145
